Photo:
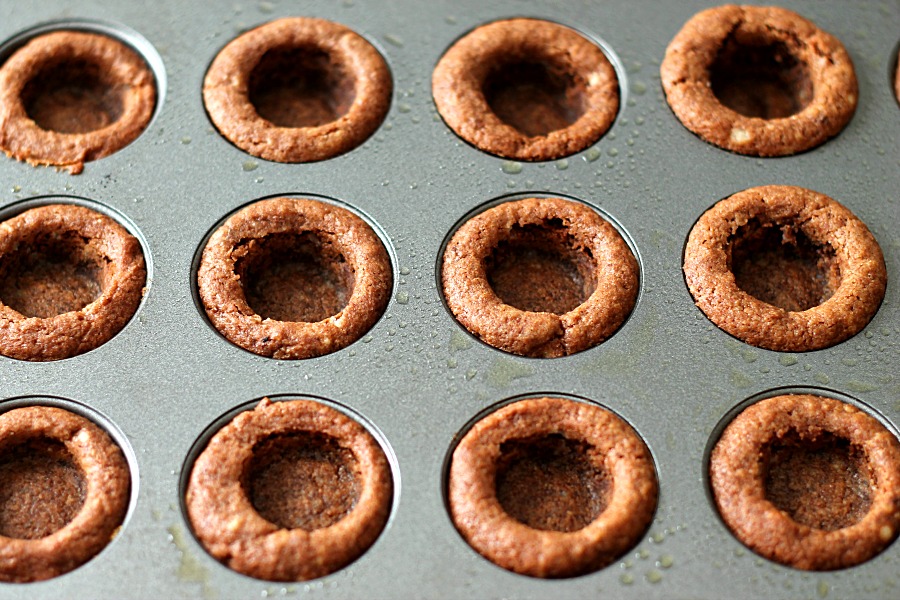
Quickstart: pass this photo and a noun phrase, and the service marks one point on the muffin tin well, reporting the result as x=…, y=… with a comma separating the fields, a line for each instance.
x=416, y=376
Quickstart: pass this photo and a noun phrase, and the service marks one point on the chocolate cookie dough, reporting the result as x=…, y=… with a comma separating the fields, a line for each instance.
x=526, y=89
x=541, y=277
x=64, y=490
x=70, y=279
x=807, y=481
x=294, y=278
x=69, y=97
x=785, y=268
x=551, y=487
x=761, y=81
x=298, y=90
x=289, y=491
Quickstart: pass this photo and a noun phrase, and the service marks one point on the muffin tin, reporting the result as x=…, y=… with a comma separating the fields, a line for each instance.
x=417, y=378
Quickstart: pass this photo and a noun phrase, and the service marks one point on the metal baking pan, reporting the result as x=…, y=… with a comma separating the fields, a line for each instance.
x=418, y=378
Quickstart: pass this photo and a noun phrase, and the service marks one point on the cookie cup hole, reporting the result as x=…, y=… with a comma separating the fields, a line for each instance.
x=534, y=96
x=548, y=483
x=781, y=266
x=289, y=490
x=76, y=91
x=71, y=277
x=41, y=489
x=73, y=96
x=298, y=90
x=56, y=273
x=759, y=80
x=302, y=480
x=65, y=487
x=784, y=268
x=538, y=268
x=541, y=277
x=821, y=481
x=527, y=89
x=300, y=87
x=295, y=277
x=759, y=77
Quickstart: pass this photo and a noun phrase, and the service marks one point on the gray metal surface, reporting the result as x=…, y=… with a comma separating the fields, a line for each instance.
x=417, y=377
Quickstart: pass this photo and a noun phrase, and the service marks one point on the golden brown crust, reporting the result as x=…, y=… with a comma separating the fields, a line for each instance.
x=119, y=67
x=226, y=91
x=229, y=527
x=685, y=75
x=475, y=304
x=224, y=297
x=108, y=491
x=707, y=260
x=123, y=274
x=616, y=449
x=737, y=475
x=458, y=82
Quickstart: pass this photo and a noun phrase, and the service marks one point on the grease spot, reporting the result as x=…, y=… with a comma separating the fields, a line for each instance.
x=504, y=371
x=190, y=570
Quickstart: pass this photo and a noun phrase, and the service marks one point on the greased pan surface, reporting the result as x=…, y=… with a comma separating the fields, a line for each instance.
x=418, y=378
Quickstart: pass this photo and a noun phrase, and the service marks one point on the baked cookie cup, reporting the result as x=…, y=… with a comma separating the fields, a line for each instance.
x=759, y=80
x=298, y=90
x=69, y=97
x=551, y=487
x=808, y=481
x=64, y=491
x=785, y=268
x=540, y=277
x=526, y=89
x=289, y=491
x=294, y=278
x=70, y=279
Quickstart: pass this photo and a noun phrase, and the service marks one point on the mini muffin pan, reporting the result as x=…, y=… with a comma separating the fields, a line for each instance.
x=417, y=379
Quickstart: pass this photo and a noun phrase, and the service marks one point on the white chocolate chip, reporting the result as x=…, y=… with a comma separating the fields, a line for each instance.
x=235, y=523
x=740, y=136
x=593, y=78
x=886, y=533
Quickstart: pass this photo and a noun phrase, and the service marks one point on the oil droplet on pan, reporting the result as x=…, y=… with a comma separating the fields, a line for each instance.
x=592, y=154
x=511, y=167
